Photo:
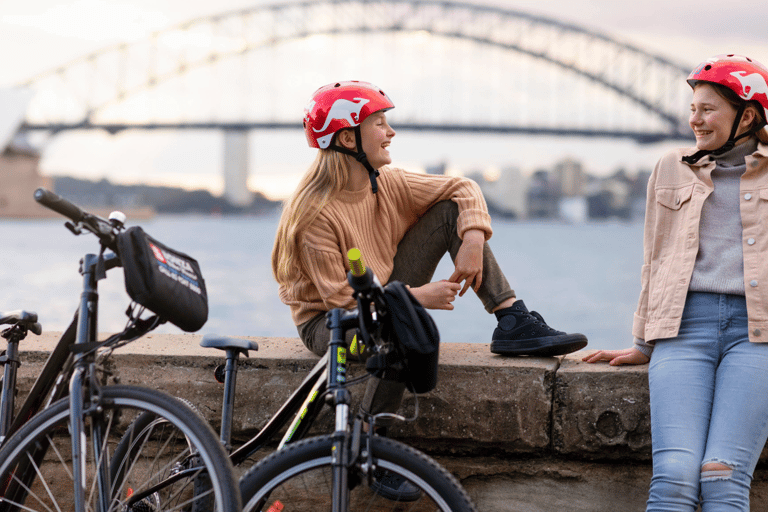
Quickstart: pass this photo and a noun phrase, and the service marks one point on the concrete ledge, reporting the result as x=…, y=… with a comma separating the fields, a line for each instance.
x=526, y=434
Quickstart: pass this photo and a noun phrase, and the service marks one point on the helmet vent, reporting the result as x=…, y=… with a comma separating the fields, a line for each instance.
x=707, y=67
x=337, y=85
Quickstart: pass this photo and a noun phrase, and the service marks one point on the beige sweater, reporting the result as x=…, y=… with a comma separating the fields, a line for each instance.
x=375, y=224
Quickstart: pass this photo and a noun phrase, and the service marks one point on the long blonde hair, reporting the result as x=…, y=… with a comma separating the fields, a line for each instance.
x=327, y=176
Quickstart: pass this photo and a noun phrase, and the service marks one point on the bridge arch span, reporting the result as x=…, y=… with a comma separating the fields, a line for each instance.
x=116, y=74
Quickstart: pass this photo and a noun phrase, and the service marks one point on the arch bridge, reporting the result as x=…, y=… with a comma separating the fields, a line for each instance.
x=449, y=66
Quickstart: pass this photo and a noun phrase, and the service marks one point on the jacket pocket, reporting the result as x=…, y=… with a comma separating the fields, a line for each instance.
x=671, y=214
x=674, y=198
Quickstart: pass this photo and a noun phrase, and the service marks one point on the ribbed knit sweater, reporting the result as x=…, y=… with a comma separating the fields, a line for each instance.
x=375, y=224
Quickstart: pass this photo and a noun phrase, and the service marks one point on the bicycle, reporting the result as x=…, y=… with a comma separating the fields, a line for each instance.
x=64, y=457
x=340, y=469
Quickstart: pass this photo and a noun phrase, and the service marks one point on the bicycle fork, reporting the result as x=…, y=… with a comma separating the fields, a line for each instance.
x=339, y=321
x=78, y=385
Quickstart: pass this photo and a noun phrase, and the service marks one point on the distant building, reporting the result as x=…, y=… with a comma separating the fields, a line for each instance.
x=611, y=197
x=571, y=177
x=543, y=196
x=20, y=178
x=505, y=191
x=19, y=161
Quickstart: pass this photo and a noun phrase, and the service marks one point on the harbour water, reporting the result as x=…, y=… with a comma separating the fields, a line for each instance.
x=580, y=277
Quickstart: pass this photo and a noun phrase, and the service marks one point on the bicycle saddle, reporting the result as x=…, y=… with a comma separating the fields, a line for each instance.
x=25, y=318
x=227, y=343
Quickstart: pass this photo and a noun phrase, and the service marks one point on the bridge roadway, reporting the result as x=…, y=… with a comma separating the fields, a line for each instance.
x=642, y=137
x=522, y=434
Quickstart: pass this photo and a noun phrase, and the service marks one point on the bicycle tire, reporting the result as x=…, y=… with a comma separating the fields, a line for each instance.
x=298, y=478
x=51, y=484
x=150, y=427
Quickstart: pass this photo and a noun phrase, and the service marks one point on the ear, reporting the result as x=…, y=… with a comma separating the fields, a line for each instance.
x=346, y=138
x=748, y=117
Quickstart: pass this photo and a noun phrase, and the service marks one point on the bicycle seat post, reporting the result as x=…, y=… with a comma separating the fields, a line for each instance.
x=10, y=361
x=230, y=382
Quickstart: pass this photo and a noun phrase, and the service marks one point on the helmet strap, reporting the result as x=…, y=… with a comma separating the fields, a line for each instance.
x=360, y=156
x=692, y=159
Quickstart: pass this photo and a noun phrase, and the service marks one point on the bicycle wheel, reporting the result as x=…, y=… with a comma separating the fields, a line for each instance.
x=36, y=463
x=149, y=429
x=298, y=478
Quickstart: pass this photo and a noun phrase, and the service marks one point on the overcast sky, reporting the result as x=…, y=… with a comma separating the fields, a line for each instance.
x=37, y=35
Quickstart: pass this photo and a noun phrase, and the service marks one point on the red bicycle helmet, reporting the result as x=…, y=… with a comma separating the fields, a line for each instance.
x=338, y=106
x=341, y=105
x=745, y=77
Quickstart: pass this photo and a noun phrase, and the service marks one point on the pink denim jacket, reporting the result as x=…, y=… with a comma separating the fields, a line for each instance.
x=676, y=193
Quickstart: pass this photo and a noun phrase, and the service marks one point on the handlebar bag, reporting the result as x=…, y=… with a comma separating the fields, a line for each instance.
x=163, y=280
x=418, y=341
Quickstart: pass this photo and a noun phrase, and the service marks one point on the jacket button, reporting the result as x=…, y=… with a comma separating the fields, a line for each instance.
x=756, y=332
x=751, y=241
x=677, y=201
x=753, y=283
x=747, y=196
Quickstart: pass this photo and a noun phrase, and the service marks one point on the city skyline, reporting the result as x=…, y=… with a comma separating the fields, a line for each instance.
x=41, y=34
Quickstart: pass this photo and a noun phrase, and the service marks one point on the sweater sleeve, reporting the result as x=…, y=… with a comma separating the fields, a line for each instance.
x=425, y=190
x=323, y=264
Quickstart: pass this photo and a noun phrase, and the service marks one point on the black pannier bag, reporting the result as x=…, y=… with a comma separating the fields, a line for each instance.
x=163, y=280
x=418, y=341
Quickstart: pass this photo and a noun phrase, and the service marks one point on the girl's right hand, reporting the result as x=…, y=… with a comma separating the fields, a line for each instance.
x=618, y=357
x=437, y=295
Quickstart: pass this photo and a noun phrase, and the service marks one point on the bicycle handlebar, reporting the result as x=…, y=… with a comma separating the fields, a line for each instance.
x=102, y=228
x=59, y=204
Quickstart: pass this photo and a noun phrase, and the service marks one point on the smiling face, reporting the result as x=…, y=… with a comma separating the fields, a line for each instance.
x=711, y=117
x=377, y=135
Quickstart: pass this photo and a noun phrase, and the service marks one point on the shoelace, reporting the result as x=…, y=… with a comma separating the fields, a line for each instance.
x=540, y=319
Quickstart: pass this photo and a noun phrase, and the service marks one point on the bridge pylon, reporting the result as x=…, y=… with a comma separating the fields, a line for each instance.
x=236, y=189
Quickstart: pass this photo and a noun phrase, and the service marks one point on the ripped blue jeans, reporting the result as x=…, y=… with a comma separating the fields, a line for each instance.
x=709, y=404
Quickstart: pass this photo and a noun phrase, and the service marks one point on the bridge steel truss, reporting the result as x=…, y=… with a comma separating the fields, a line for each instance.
x=113, y=74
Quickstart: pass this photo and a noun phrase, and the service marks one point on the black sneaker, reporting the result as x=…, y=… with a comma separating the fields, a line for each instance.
x=523, y=333
x=394, y=487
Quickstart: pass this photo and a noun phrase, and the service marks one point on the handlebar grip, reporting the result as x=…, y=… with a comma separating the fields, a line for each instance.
x=59, y=204
x=360, y=278
x=356, y=264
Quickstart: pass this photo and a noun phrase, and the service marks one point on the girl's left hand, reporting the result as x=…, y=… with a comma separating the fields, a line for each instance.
x=469, y=261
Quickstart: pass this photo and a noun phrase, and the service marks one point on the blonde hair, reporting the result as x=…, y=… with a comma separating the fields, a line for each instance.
x=327, y=176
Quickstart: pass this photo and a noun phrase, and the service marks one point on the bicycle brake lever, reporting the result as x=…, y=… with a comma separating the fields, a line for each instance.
x=77, y=230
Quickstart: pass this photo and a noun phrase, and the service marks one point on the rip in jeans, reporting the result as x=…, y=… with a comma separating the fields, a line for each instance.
x=715, y=470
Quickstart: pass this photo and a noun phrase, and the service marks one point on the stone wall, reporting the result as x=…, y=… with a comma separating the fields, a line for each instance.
x=522, y=434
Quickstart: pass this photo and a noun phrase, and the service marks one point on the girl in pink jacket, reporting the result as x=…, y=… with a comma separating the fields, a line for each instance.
x=702, y=316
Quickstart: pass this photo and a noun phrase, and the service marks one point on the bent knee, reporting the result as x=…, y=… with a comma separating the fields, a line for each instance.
x=715, y=471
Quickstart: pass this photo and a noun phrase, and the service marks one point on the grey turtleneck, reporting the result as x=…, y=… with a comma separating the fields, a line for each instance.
x=719, y=266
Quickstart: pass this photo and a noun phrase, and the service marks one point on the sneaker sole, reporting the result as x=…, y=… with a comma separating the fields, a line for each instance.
x=553, y=346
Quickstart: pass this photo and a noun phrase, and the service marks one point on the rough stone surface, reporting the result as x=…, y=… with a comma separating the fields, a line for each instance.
x=601, y=411
x=522, y=434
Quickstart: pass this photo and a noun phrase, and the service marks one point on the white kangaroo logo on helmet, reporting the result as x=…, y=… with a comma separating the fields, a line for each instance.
x=344, y=110
x=751, y=84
